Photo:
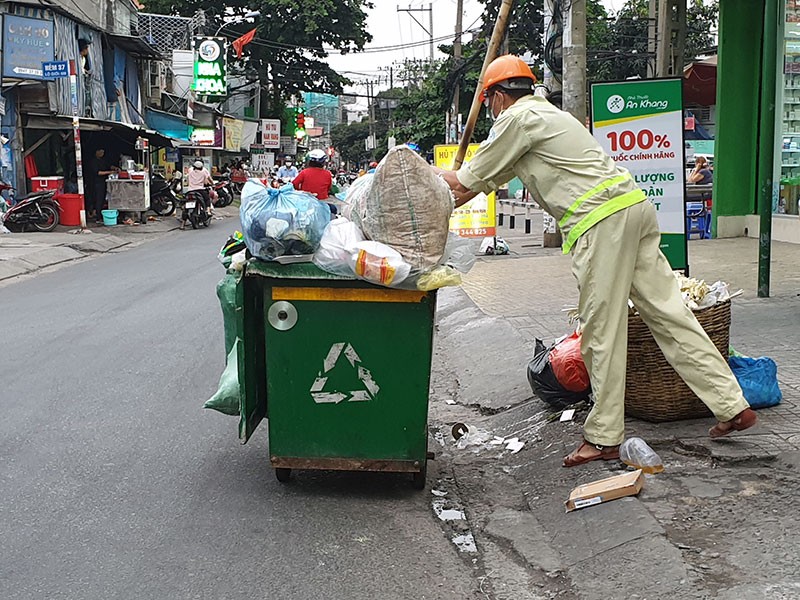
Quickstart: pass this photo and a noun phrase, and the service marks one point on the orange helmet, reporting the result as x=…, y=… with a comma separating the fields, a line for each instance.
x=509, y=69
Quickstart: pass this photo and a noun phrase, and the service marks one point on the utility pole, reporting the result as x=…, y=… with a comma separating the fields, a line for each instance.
x=671, y=37
x=574, y=98
x=457, y=64
x=651, y=38
x=429, y=29
x=552, y=35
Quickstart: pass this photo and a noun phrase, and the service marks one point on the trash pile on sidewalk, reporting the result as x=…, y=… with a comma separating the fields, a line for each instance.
x=394, y=230
x=654, y=392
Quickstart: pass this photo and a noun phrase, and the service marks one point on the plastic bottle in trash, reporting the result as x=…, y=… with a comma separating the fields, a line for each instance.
x=636, y=453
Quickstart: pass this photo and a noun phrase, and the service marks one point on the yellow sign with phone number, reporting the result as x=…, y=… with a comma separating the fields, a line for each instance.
x=477, y=217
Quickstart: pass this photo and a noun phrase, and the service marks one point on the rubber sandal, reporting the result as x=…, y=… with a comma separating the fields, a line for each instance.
x=744, y=420
x=606, y=453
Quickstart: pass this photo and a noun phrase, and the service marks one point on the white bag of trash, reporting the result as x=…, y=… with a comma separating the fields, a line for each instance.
x=378, y=263
x=337, y=247
x=404, y=205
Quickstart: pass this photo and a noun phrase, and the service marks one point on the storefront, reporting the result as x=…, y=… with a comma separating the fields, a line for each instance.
x=50, y=157
x=757, y=166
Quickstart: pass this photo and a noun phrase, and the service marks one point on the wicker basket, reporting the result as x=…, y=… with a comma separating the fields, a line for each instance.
x=653, y=390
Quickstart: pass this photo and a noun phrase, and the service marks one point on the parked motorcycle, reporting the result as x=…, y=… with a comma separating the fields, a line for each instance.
x=38, y=209
x=194, y=209
x=224, y=192
x=163, y=198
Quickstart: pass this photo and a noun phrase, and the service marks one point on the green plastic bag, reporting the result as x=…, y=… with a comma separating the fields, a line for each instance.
x=226, y=292
x=228, y=397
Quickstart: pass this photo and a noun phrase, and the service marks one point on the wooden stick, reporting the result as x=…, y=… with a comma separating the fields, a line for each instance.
x=491, y=53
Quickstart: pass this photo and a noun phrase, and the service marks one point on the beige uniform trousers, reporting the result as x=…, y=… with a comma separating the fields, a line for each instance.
x=620, y=258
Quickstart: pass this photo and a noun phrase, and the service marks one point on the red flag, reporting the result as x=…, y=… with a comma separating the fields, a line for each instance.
x=240, y=43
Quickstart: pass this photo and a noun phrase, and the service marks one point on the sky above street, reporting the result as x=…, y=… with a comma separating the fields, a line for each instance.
x=391, y=28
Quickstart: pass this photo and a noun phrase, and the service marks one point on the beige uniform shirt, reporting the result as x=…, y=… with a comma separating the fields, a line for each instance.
x=558, y=160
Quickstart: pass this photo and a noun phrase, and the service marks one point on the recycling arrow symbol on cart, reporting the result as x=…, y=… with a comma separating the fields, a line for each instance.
x=321, y=396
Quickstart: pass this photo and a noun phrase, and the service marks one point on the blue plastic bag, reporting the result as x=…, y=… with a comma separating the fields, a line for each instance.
x=758, y=378
x=278, y=222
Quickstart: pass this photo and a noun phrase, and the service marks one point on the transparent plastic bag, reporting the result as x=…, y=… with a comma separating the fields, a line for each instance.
x=635, y=453
x=459, y=253
x=279, y=222
x=337, y=246
x=438, y=277
x=378, y=263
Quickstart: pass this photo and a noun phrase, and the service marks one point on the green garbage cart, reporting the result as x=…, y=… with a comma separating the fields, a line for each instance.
x=340, y=367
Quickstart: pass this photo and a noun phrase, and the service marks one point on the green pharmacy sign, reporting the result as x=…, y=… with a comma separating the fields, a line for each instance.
x=210, y=68
x=639, y=124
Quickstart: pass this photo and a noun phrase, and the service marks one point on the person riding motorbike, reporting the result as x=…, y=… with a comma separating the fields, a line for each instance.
x=315, y=178
x=287, y=171
x=197, y=180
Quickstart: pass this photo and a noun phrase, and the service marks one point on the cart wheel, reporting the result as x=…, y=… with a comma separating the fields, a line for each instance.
x=419, y=478
x=283, y=475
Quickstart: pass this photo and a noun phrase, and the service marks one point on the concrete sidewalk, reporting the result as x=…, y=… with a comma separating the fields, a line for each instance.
x=26, y=253
x=714, y=525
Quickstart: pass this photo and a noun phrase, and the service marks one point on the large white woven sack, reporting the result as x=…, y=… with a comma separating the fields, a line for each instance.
x=404, y=205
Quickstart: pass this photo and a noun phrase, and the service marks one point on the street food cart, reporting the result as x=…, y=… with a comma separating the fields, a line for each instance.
x=129, y=190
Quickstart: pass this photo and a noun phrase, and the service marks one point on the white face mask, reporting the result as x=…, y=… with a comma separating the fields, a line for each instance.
x=492, y=116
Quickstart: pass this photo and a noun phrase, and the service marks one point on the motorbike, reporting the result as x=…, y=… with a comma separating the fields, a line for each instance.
x=194, y=209
x=239, y=177
x=163, y=198
x=38, y=209
x=224, y=192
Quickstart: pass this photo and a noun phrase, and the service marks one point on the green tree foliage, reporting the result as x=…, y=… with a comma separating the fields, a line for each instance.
x=349, y=141
x=617, y=47
x=288, y=54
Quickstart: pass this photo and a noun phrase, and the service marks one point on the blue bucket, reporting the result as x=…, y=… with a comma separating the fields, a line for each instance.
x=110, y=217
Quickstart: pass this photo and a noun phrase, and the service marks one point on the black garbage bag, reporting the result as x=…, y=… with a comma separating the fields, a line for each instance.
x=544, y=383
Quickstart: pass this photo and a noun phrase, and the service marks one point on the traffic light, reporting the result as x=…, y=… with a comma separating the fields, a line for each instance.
x=299, y=123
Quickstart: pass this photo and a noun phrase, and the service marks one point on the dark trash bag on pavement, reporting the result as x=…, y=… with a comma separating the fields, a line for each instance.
x=544, y=383
x=758, y=378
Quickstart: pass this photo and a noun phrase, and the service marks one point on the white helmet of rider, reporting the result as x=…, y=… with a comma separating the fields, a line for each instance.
x=198, y=164
x=317, y=155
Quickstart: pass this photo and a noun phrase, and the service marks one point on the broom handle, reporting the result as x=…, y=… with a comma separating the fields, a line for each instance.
x=491, y=53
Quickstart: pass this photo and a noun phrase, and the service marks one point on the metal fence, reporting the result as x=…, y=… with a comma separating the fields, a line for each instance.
x=167, y=33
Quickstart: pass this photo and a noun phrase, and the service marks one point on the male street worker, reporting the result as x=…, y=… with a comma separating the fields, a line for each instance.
x=612, y=233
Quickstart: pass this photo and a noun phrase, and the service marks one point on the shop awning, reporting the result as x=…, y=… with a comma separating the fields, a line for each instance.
x=167, y=124
x=135, y=46
x=61, y=122
x=700, y=82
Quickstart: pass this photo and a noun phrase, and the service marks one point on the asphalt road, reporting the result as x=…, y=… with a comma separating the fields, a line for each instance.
x=115, y=483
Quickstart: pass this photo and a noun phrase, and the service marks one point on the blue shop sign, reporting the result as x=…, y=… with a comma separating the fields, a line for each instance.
x=27, y=44
x=55, y=69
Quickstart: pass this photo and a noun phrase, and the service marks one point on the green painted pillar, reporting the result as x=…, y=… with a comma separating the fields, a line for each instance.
x=738, y=75
x=766, y=140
